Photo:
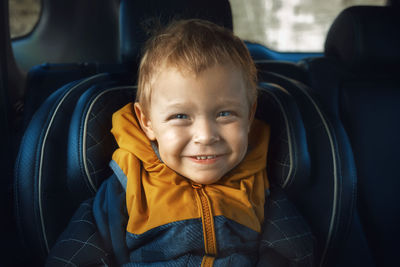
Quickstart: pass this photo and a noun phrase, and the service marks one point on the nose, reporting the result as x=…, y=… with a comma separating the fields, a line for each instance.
x=205, y=132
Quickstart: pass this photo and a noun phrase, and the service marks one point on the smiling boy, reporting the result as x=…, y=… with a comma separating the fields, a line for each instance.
x=195, y=181
x=191, y=158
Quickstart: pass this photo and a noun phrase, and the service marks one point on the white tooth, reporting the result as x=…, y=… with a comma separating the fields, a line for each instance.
x=205, y=157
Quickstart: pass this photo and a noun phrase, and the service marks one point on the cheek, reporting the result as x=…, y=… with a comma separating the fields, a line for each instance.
x=237, y=137
x=171, y=142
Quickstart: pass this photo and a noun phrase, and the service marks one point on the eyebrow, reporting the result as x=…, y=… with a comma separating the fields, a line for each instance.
x=230, y=102
x=178, y=105
x=224, y=102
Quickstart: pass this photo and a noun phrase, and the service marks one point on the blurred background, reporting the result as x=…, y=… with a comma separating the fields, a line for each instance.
x=24, y=14
x=289, y=25
x=281, y=25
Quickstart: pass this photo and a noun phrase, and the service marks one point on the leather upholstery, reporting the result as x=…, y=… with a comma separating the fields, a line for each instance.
x=288, y=167
x=290, y=164
x=365, y=38
x=90, y=142
x=66, y=148
x=295, y=156
x=43, y=202
x=326, y=198
x=358, y=85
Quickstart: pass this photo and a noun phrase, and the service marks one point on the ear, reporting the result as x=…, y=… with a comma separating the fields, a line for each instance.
x=145, y=122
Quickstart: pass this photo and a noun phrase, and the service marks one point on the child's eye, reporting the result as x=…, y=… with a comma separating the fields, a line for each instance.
x=179, y=116
x=224, y=113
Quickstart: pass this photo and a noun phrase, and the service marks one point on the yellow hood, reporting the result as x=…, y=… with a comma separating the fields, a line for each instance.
x=156, y=195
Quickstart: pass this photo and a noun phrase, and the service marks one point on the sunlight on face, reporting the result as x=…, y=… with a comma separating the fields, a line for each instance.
x=200, y=122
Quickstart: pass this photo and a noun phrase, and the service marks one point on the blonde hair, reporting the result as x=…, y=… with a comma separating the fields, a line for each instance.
x=193, y=45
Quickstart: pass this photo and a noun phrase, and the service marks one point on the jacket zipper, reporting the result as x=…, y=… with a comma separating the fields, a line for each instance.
x=207, y=219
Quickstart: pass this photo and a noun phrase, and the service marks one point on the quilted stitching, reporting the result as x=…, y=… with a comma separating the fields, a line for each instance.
x=286, y=232
x=99, y=141
x=80, y=240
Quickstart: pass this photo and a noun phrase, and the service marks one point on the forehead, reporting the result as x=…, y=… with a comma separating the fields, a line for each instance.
x=218, y=83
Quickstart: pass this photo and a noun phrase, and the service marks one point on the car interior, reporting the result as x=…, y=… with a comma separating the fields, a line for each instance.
x=334, y=116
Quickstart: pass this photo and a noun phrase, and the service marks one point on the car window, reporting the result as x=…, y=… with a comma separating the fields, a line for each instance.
x=289, y=25
x=24, y=14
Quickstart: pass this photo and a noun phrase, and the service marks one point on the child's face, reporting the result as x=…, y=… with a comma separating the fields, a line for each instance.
x=200, y=123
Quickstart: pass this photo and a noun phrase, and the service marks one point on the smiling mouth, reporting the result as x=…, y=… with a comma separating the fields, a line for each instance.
x=205, y=159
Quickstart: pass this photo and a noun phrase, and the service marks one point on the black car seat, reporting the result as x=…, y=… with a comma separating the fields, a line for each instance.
x=53, y=175
x=357, y=82
x=287, y=154
x=43, y=202
x=62, y=173
x=327, y=200
x=65, y=152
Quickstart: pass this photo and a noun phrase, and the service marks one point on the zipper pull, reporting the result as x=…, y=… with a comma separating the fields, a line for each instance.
x=197, y=186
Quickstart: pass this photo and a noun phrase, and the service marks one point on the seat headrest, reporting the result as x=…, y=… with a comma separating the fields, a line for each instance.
x=288, y=163
x=365, y=37
x=137, y=17
x=90, y=143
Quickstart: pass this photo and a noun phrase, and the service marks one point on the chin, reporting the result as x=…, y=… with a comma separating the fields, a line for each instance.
x=205, y=180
